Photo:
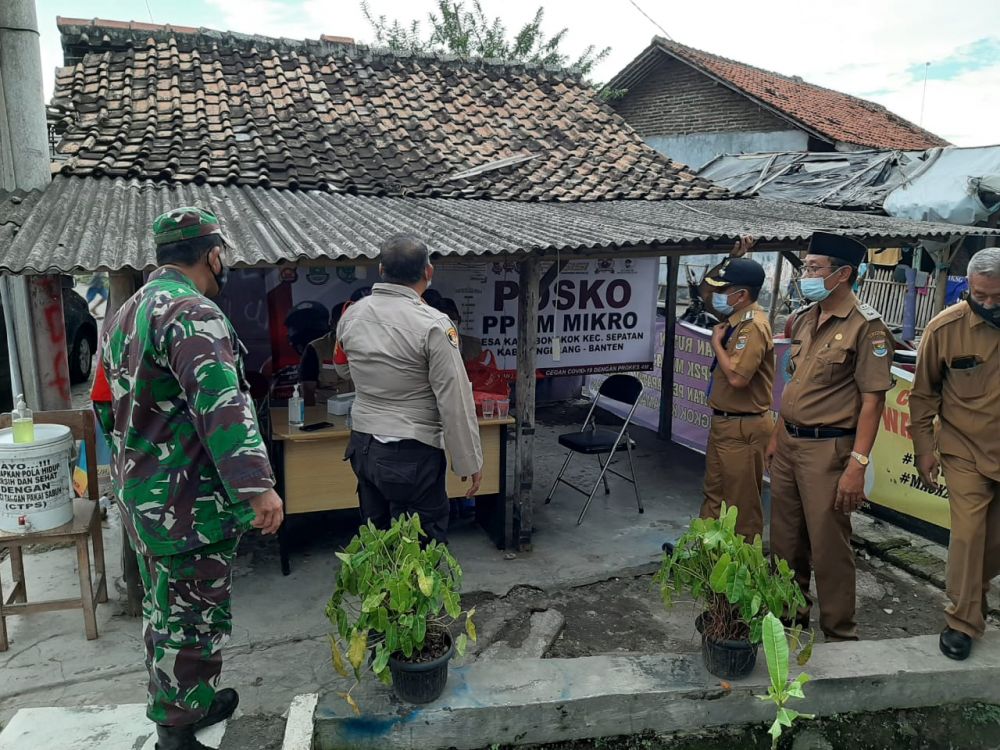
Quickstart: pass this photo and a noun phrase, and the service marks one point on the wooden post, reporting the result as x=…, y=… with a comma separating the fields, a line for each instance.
x=121, y=286
x=667, y=365
x=527, y=342
x=779, y=266
x=942, y=261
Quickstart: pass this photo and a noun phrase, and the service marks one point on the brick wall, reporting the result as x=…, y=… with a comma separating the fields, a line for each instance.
x=675, y=99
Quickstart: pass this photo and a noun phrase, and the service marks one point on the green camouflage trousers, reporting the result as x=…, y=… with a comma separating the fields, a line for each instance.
x=188, y=618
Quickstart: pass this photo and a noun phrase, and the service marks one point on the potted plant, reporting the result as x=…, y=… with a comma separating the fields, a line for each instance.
x=393, y=602
x=737, y=587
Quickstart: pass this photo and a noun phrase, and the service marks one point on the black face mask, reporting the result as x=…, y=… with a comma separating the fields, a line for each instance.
x=990, y=315
x=221, y=277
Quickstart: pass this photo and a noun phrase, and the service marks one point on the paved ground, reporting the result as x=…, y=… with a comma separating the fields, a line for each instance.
x=279, y=646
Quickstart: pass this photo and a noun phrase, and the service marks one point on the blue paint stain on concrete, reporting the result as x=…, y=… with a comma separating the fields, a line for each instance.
x=370, y=726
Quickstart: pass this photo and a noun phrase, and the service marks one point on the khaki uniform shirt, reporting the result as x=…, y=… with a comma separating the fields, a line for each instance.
x=833, y=364
x=958, y=380
x=408, y=374
x=329, y=382
x=751, y=350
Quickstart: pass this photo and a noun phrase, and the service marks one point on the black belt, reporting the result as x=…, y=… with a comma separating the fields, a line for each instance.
x=719, y=413
x=817, y=433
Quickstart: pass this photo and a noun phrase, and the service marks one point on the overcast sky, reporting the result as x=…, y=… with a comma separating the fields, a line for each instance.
x=876, y=49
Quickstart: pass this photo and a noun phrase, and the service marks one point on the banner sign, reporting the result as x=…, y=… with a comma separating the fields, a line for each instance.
x=601, y=311
x=891, y=480
x=691, y=416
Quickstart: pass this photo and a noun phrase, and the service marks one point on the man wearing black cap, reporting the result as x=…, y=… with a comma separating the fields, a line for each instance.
x=841, y=353
x=739, y=395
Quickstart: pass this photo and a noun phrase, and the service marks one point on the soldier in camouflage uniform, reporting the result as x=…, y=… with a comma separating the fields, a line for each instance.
x=189, y=467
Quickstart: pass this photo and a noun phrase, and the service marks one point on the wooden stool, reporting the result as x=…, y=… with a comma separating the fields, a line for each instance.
x=86, y=524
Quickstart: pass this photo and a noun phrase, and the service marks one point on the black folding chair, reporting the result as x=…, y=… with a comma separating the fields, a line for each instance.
x=591, y=440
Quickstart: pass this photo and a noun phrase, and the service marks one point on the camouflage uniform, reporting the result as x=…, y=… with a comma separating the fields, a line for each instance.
x=187, y=456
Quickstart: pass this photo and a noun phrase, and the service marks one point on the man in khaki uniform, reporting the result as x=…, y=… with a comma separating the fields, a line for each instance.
x=831, y=408
x=413, y=396
x=739, y=396
x=958, y=381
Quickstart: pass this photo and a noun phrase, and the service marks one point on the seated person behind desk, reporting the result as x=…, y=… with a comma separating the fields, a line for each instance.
x=317, y=376
x=470, y=347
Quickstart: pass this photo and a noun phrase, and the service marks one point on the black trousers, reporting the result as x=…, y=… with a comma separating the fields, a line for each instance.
x=406, y=476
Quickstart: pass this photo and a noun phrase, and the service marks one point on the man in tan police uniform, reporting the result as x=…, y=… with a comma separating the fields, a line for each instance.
x=413, y=396
x=739, y=396
x=831, y=408
x=958, y=381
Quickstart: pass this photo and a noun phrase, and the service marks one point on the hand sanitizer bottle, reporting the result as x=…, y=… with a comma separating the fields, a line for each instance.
x=296, y=409
x=23, y=422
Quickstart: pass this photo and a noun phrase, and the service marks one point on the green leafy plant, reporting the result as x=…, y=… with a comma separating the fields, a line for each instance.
x=467, y=31
x=782, y=688
x=391, y=593
x=733, y=580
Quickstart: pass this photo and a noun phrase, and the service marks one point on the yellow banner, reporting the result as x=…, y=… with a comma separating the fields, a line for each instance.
x=892, y=480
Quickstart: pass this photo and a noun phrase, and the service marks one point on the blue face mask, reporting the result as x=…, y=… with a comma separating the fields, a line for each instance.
x=814, y=289
x=720, y=302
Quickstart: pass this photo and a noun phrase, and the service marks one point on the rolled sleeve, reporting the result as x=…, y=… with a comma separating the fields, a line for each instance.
x=456, y=406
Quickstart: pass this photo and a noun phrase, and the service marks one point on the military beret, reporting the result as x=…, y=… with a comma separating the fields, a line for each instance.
x=738, y=272
x=186, y=223
x=837, y=246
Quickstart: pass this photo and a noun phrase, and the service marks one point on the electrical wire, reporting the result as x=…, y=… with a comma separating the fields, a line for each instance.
x=650, y=19
x=149, y=10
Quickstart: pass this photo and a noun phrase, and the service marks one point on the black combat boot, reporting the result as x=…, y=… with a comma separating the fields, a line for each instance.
x=177, y=738
x=223, y=706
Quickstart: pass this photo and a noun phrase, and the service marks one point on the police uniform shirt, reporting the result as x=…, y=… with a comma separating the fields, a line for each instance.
x=833, y=364
x=751, y=351
x=958, y=379
x=410, y=381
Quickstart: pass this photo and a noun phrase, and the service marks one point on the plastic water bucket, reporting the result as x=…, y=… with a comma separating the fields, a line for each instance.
x=36, y=479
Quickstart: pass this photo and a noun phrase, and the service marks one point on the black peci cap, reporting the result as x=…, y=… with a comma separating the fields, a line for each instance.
x=738, y=272
x=837, y=246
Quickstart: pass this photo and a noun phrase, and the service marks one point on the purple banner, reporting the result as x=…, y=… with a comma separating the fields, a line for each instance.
x=692, y=364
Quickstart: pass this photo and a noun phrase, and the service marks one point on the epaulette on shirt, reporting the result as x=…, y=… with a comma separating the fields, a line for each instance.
x=869, y=312
x=748, y=315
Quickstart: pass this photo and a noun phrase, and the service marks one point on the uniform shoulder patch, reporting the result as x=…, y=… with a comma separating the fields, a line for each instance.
x=453, y=336
x=748, y=315
x=869, y=312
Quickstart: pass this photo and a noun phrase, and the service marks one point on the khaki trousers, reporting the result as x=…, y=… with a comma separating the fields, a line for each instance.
x=806, y=530
x=734, y=470
x=974, y=550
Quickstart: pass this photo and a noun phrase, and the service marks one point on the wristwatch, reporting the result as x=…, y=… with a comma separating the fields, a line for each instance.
x=861, y=458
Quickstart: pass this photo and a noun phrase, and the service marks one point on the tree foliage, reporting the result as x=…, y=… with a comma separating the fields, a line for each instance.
x=467, y=31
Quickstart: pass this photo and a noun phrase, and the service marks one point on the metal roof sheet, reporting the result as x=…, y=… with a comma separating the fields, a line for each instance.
x=90, y=224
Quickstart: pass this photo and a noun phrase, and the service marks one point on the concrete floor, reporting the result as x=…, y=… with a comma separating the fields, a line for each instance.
x=278, y=647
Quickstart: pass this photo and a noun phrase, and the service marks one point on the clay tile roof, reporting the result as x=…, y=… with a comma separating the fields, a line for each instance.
x=199, y=106
x=831, y=114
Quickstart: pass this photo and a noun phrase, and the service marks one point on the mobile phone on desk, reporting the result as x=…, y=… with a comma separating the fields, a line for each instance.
x=315, y=426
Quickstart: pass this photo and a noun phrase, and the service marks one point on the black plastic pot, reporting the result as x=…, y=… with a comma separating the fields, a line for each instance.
x=423, y=682
x=729, y=660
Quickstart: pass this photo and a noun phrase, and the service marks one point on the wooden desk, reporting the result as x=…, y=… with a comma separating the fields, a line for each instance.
x=313, y=475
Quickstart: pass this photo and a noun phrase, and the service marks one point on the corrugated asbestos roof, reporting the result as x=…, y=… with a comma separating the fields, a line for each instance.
x=831, y=114
x=90, y=224
x=193, y=105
